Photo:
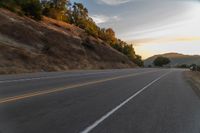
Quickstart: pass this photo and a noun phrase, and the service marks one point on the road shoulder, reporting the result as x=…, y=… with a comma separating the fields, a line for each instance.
x=193, y=78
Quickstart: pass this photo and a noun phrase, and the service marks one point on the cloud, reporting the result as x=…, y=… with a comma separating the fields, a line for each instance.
x=118, y=2
x=113, y=2
x=139, y=42
x=99, y=19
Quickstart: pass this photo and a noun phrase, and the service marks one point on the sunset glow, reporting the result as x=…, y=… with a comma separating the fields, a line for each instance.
x=152, y=29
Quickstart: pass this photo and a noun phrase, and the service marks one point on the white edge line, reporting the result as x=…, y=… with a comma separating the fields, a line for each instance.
x=96, y=123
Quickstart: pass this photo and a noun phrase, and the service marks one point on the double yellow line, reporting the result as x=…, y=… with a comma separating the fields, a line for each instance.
x=38, y=93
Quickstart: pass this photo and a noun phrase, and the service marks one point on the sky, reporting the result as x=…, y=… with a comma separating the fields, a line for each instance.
x=152, y=26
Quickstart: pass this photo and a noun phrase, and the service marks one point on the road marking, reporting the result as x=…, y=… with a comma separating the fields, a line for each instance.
x=49, y=77
x=99, y=121
x=33, y=94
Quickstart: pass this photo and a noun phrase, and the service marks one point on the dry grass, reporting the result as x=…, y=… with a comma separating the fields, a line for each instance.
x=194, y=79
x=50, y=45
x=195, y=76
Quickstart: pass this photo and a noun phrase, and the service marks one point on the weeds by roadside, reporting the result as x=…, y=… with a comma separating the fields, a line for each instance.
x=193, y=78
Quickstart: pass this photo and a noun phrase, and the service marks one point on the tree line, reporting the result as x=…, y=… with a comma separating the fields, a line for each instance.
x=161, y=61
x=76, y=14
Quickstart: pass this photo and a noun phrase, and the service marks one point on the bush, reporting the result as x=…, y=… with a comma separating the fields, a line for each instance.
x=28, y=7
x=198, y=68
x=129, y=51
x=182, y=66
x=1, y=4
x=160, y=61
x=9, y=4
x=118, y=47
x=87, y=44
x=76, y=14
x=32, y=8
x=138, y=60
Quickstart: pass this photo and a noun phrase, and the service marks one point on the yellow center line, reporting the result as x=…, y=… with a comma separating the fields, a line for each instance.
x=38, y=93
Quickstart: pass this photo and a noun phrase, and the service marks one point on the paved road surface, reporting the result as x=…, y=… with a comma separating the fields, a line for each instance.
x=107, y=101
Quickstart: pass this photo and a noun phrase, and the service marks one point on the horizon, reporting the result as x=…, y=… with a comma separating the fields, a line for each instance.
x=77, y=67
x=141, y=23
x=172, y=53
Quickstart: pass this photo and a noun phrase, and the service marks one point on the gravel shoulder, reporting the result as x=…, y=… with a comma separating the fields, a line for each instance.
x=193, y=78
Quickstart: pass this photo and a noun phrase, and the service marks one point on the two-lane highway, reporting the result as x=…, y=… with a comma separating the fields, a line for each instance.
x=110, y=101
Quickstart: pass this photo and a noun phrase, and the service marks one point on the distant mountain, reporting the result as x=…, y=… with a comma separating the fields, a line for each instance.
x=176, y=59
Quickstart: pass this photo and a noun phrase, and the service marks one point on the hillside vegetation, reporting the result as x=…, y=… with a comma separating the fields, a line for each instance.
x=75, y=14
x=31, y=42
x=176, y=59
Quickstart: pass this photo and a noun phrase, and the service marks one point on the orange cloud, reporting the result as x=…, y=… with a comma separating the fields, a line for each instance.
x=163, y=40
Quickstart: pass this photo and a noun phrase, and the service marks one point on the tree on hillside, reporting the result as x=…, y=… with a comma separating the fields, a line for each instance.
x=32, y=8
x=56, y=9
x=75, y=14
x=110, y=36
x=118, y=47
x=61, y=4
x=79, y=14
x=129, y=51
x=138, y=60
x=161, y=61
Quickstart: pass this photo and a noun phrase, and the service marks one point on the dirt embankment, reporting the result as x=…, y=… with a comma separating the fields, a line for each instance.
x=50, y=45
x=194, y=79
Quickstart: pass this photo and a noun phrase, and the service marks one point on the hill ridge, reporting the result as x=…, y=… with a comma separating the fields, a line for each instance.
x=176, y=59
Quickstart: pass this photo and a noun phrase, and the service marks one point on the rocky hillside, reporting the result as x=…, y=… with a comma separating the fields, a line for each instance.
x=50, y=45
x=176, y=59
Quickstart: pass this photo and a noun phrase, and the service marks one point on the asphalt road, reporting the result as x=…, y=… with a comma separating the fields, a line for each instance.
x=99, y=101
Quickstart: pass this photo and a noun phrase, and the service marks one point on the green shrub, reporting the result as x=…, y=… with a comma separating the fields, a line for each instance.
x=9, y=4
x=160, y=61
x=28, y=7
x=32, y=8
x=76, y=14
